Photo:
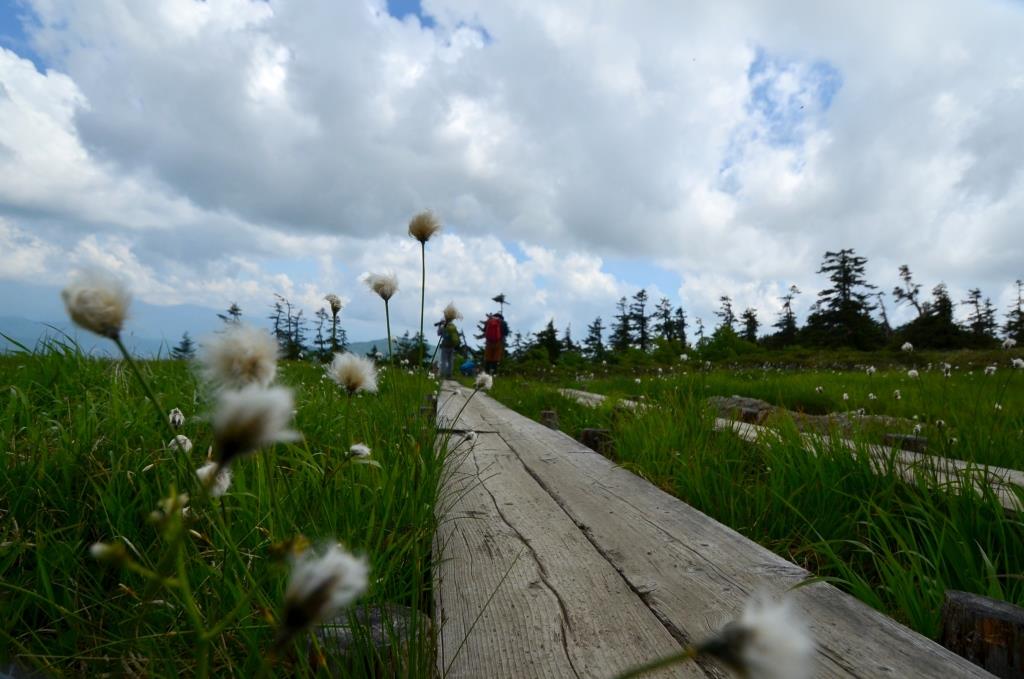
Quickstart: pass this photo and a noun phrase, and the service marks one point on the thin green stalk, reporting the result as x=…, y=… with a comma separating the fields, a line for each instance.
x=160, y=412
x=423, y=294
x=387, y=319
x=661, y=663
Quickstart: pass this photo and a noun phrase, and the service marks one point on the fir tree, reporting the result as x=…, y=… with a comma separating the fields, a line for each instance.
x=640, y=321
x=567, y=343
x=1014, y=326
x=786, y=323
x=680, y=324
x=910, y=290
x=185, y=350
x=726, y=317
x=621, y=338
x=548, y=340
x=320, y=341
x=664, y=326
x=841, y=314
x=750, y=324
x=232, y=315
x=593, y=344
x=981, y=321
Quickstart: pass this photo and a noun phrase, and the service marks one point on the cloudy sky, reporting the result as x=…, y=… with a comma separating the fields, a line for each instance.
x=575, y=151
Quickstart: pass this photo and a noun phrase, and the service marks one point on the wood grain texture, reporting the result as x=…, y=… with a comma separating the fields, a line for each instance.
x=519, y=590
x=695, y=574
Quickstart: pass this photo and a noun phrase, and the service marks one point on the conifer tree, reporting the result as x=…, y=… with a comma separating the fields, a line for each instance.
x=640, y=321
x=750, y=324
x=1014, y=326
x=548, y=339
x=726, y=317
x=593, y=344
x=185, y=349
x=786, y=323
x=622, y=338
x=909, y=291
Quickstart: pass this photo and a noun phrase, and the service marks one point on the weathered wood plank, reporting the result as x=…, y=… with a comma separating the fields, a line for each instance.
x=910, y=466
x=452, y=413
x=696, y=573
x=519, y=590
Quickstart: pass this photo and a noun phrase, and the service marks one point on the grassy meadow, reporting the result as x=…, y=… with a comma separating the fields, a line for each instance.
x=199, y=591
x=894, y=545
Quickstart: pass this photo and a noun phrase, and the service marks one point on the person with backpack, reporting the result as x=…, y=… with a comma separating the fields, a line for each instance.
x=495, y=330
x=451, y=339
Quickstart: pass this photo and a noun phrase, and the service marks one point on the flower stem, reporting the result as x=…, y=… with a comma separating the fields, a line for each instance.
x=387, y=319
x=423, y=294
x=160, y=412
x=686, y=654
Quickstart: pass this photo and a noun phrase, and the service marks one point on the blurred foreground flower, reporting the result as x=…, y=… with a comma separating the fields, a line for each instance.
x=423, y=226
x=250, y=418
x=214, y=478
x=97, y=301
x=176, y=418
x=451, y=313
x=907, y=346
x=1009, y=343
x=353, y=373
x=320, y=585
x=239, y=356
x=484, y=382
x=335, y=303
x=180, y=443
x=359, y=450
x=912, y=374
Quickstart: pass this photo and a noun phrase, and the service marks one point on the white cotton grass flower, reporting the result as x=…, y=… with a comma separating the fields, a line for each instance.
x=451, y=313
x=384, y=284
x=109, y=552
x=359, y=450
x=239, y=356
x=907, y=346
x=897, y=394
x=767, y=641
x=917, y=429
x=181, y=444
x=846, y=397
x=250, y=418
x=871, y=370
x=321, y=584
x=214, y=478
x=335, y=303
x=1017, y=363
x=97, y=301
x=423, y=226
x=872, y=397
x=484, y=382
x=176, y=418
x=990, y=370
x=819, y=389
x=353, y=373
x=1009, y=343
x=912, y=374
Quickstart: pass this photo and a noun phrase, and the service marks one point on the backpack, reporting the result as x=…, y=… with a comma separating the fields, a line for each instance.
x=451, y=336
x=492, y=329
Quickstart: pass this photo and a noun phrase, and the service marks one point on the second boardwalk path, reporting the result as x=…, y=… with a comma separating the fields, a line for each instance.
x=554, y=562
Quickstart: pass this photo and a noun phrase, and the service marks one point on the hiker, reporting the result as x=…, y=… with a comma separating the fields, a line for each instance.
x=451, y=339
x=495, y=330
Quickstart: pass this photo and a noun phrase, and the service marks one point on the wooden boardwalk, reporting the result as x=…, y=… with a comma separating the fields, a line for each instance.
x=911, y=466
x=554, y=562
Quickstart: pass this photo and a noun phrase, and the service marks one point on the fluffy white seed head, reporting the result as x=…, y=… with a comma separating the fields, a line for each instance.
x=907, y=346
x=353, y=373
x=239, y=356
x=181, y=444
x=1009, y=343
x=359, y=450
x=321, y=584
x=846, y=397
x=97, y=301
x=897, y=394
x=768, y=641
x=1017, y=363
x=871, y=370
x=912, y=374
x=451, y=313
x=176, y=418
x=250, y=418
x=423, y=226
x=384, y=284
x=484, y=382
x=214, y=478
x=335, y=303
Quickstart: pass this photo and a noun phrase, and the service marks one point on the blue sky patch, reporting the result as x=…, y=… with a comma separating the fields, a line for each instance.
x=403, y=8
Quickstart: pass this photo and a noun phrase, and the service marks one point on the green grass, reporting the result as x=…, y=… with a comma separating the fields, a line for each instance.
x=894, y=545
x=84, y=460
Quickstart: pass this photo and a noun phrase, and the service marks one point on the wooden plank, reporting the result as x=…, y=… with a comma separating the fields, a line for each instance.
x=696, y=573
x=910, y=466
x=519, y=590
x=452, y=413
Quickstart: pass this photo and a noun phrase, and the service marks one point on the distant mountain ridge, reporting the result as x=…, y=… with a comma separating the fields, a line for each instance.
x=32, y=334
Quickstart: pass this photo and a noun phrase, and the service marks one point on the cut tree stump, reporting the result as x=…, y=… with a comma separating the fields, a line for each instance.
x=911, y=442
x=599, y=440
x=988, y=632
x=549, y=418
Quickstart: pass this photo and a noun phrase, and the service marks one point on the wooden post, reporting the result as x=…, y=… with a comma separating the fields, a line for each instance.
x=599, y=440
x=915, y=444
x=988, y=632
x=549, y=418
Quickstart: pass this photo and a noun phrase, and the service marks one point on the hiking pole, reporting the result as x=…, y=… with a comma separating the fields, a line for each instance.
x=436, y=347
